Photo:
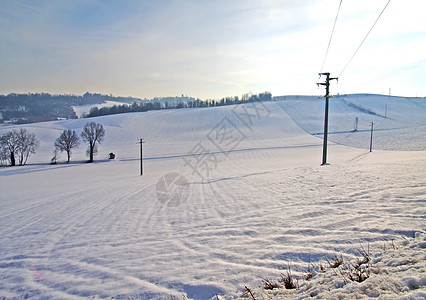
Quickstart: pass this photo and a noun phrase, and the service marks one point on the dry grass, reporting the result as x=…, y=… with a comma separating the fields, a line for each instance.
x=336, y=262
x=357, y=270
x=289, y=280
x=248, y=292
x=270, y=285
x=308, y=275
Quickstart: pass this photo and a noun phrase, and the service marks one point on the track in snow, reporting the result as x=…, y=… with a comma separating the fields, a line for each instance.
x=98, y=230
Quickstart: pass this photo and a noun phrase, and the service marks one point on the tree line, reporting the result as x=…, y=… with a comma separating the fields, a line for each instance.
x=16, y=145
x=39, y=107
x=157, y=104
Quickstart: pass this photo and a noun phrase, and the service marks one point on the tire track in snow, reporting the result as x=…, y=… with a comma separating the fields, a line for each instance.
x=83, y=232
x=111, y=211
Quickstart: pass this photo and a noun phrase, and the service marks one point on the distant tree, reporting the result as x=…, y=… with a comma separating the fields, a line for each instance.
x=26, y=144
x=18, y=143
x=4, y=155
x=93, y=134
x=266, y=96
x=54, y=157
x=94, y=111
x=9, y=145
x=66, y=142
x=134, y=106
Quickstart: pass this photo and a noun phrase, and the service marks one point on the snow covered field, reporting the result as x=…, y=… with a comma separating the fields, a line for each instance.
x=81, y=110
x=229, y=196
x=403, y=128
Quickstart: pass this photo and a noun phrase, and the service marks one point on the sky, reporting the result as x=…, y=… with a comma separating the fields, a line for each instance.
x=211, y=49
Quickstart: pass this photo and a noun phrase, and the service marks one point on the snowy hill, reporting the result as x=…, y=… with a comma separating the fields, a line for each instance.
x=399, y=123
x=81, y=110
x=230, y=195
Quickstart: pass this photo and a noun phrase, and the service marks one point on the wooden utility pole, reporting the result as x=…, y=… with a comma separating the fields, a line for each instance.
x=327, y=91
x=371, y=137
x=141, y=142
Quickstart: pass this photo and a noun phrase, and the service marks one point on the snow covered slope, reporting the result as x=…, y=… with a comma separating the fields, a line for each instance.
x=229, y=195
x=399, y=123
x=81, y=110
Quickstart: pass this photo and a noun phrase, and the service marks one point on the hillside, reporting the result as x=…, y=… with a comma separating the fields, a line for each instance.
x=230, y=196
x=399, y=123
x=41, y=107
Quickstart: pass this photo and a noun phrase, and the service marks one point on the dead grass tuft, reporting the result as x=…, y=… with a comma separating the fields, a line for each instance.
x=270, y=285
x=336, y=262
x=288, y=280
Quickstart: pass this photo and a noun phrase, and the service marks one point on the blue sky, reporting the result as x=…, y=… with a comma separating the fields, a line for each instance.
x=210, y=49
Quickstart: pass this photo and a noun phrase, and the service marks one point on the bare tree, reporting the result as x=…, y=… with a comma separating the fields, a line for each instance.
x=67, y=141
x=93, y=134
x=4, y=154
x=9, y=145
x=20, y=143
x=27, y=143
x=54, y=158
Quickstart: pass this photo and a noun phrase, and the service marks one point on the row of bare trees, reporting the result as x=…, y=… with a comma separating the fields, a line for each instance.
x=17, y=144
x=93, y=134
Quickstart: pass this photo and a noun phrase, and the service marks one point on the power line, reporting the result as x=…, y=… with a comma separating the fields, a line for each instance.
x=331, y=36
x=364, y=38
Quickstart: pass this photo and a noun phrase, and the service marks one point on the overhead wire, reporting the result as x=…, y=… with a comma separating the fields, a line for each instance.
x=331, y=36
x=356, y=51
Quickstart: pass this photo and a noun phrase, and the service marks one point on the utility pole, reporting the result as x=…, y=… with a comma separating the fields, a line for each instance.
x=371, y=137
x=327, y=90
x=141, y=141
x=356, y=125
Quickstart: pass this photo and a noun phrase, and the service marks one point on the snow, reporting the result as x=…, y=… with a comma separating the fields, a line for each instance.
x=398, y=269
x=81, y=110
x=405, y=118
x=229, y=196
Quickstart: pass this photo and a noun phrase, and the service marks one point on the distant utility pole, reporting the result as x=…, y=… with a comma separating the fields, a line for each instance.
x=386, y=107
x=371, y=137
x=327, y=90
x=141, y=141
x=356, y=124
